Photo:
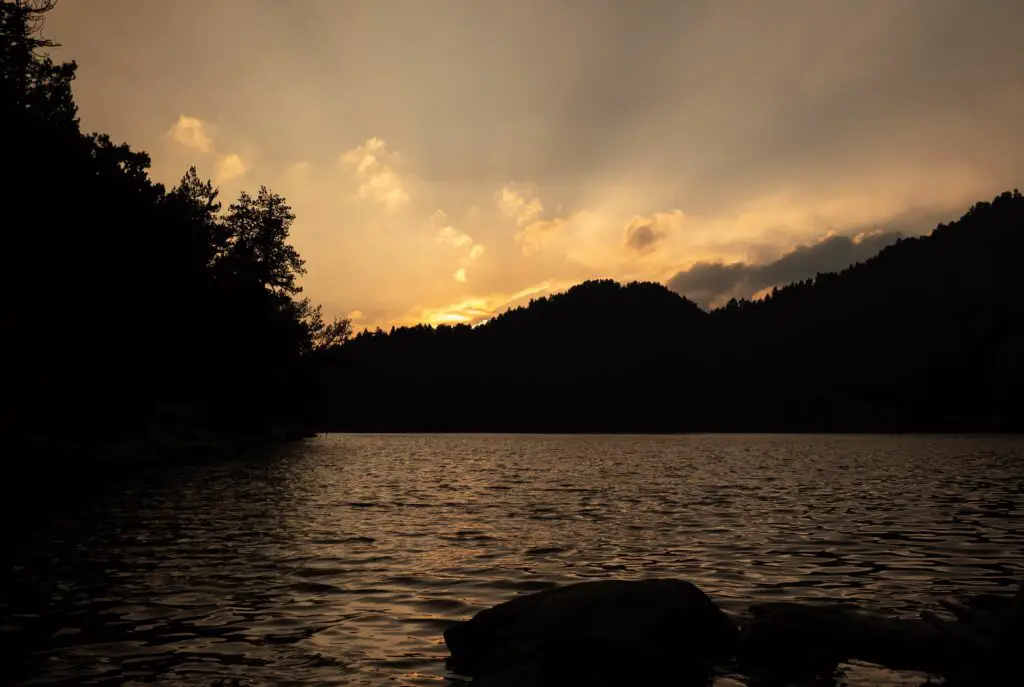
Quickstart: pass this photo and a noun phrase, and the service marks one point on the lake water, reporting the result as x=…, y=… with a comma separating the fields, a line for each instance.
x=340, y=560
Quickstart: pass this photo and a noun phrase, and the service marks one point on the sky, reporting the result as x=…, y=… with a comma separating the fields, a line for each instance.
x=447, y=159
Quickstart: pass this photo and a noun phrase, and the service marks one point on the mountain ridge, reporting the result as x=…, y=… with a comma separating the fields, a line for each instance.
x=920, y=337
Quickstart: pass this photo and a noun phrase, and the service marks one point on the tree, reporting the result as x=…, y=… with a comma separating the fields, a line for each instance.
x=323, y=336
x=30, y=82
x=257, y=249
x=194, y=203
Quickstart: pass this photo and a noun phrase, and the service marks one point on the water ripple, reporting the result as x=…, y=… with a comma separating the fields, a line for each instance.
x=342, y=560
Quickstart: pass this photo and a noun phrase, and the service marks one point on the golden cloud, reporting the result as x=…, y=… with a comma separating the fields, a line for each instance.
x=478, y=309
x=539, y=234
x=191, y=132
x=230, y=166
x=453, y=237
x=378, y=181
x=515, y=205
x=457, y=239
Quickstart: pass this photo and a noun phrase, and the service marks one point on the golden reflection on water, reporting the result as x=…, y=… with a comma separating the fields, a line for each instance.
x=341, y=560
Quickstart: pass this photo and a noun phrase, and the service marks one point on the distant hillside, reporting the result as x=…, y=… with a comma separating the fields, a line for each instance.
x=925, y=336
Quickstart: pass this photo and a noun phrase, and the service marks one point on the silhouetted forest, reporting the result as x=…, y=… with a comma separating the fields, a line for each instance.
x=925, y=336
x=131, y=307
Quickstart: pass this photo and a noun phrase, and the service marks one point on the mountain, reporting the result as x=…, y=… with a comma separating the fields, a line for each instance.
x=924, y=336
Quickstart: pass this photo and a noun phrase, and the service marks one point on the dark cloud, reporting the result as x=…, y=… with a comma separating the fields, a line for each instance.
x=706, y=281
x=709, y=283
x=830, y=255
x=642, y=234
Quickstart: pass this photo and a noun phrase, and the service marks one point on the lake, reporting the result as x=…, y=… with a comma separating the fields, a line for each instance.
x=341, y=559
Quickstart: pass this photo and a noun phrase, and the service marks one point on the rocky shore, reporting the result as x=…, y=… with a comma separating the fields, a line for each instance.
x=669, y=632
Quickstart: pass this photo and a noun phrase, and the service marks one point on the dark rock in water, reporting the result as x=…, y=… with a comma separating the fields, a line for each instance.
x=591, y=661
x=608, y=632
x=989, y=629
x=785, y=642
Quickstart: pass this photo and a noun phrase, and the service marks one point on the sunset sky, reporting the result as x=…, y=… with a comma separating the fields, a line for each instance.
x=447, y=158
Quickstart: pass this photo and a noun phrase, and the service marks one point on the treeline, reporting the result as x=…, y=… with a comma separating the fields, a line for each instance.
x=925, y=336
x=128, y=305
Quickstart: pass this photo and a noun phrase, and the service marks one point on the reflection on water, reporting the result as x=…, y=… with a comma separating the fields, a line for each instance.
x=342, y=561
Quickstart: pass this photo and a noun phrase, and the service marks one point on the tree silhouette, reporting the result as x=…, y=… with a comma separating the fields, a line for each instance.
x=257, y=242
x=326, y=335
x=181, y=314
x=193, y=203
x=30, y=82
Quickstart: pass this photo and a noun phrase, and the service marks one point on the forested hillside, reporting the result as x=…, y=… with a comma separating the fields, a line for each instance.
x=924, y=336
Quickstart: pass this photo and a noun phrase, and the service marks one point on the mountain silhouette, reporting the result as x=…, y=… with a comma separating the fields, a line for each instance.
x=924, y=336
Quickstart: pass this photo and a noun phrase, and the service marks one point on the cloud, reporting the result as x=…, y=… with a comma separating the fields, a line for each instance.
x=468, y=311
x=539, y=234
x=378, y=181
x=384, y=187
x=192, y=133
x=355, y=315
x=706, y=283
x=230, y=166
x=457, y=239
x=709, y=284
x=641, y=235
x=453, y=237
x=586, y=237
x=477, y=309
x=832, y=254
x=515, y=205
x=460, y=275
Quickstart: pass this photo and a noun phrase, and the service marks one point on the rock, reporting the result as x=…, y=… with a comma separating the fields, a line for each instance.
x=785, y=642
x=989, y=629
x=608, y=632
x=593, y=661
